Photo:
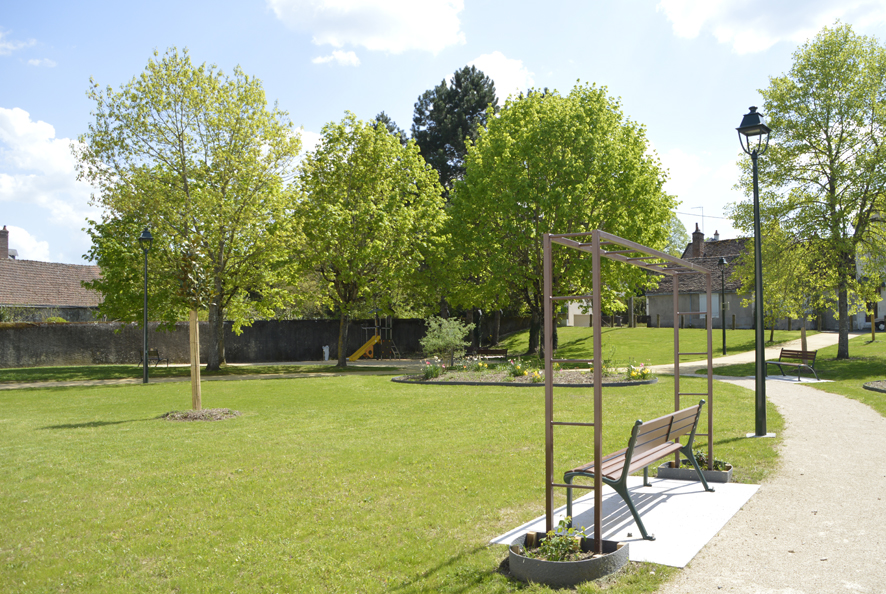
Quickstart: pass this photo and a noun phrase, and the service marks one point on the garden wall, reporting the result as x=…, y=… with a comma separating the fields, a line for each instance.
x=41, y=344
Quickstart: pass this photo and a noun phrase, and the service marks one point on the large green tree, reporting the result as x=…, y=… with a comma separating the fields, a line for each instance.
x=554, y=164
x=824, y=175
x=199, y=158
x=370, y=208
x=448, y=116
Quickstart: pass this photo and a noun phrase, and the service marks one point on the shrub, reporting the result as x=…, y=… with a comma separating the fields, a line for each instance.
x=561, y=544
x=445, y=338
x=55, y=320
x=515, y=368
x=433, y=369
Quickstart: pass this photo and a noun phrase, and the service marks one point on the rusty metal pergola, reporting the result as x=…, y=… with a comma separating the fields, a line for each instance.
x=628, y=252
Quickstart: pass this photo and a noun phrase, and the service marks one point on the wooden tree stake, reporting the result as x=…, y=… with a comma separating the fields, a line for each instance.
x=196, y=403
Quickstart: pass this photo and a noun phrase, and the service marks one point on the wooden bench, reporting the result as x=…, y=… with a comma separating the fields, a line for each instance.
x=488, y=352
x=650, y=442
x=806, y=358
x=154, y=355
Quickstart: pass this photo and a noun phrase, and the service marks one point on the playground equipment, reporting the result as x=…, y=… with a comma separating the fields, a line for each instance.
x=636, y=254
x=382, y=334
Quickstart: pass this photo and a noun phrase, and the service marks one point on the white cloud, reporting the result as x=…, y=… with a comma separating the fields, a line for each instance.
x=509, y=75
x=757, y=25
x=7, y=46
x=684, y=172
x=42, y=62
x=38, y=170
x=378, y=25
x=28, y=247
x=340, y=57
x=309, y=140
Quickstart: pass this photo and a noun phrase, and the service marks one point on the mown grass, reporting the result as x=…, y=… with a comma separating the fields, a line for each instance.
x=866, y=363
x=654, y=346
x=115, y=372
x=324, y=484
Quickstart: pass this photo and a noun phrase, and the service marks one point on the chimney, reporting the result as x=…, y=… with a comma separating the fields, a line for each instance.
x=697, y=243
x=716, y=236
x=4, y=244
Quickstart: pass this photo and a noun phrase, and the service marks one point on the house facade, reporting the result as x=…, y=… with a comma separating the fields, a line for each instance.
x=34, y=291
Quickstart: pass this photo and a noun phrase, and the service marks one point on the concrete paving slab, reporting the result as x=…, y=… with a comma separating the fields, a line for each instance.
x=681, y=514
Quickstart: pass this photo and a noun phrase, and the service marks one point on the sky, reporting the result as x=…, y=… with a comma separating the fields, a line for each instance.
x=685, y=69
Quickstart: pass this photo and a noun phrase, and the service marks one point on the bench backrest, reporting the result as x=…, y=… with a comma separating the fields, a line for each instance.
x=658, y=431
x=797, y=355
x=153, y=353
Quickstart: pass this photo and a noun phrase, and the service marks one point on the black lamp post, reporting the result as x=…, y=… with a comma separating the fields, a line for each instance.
x=145, y=240
x=753, y=134
x=721, y=264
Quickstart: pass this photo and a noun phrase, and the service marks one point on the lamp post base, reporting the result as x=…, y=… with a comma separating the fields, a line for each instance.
x=755, y=435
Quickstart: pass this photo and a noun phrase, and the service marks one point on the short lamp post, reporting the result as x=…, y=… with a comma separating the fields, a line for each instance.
x=145, y=240
x=753, y=134
x=721, y=264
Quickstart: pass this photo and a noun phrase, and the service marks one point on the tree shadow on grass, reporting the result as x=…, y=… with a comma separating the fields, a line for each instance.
x=93, y=424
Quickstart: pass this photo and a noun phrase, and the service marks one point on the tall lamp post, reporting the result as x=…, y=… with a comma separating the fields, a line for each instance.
x=145, y=240
x=753, y=134
x=721, y=264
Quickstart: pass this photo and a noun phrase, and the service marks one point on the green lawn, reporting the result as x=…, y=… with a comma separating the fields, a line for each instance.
x=866, y=363
x=324, y=484
x=109, y=372
x=654, y=346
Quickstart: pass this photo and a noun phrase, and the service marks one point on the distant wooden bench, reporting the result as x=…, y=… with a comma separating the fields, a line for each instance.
x=488, y=352
x=650, y=442
x=806, y=358
x=154, y=355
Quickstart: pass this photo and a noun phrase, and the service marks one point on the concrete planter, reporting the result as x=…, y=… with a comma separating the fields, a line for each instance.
x=566, y=574
x=688, y=474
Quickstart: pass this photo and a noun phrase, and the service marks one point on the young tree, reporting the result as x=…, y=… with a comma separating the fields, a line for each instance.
x=445, y=338
x=369, y=207
x=824, y=174
x=678, y=238
x=554, y=164
x=197, y=157
x=447, y=115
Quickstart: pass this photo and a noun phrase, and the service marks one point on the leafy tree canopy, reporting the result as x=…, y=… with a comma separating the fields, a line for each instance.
x=554, y=164
x=197, y=157
x=447, y=115
x=824, y=175
x=392, y=127
x=370, y=208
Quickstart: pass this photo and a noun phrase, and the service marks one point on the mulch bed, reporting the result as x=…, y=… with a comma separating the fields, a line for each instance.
x=877, y=386
x=572, y=377
x=206, y=414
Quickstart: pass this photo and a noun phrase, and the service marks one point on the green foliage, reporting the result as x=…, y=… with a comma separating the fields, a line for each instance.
x=823, y=176
x=432, y=370
x=391, y=126
x=516, y=368
x=197, y=157
x=563, y=543
x=448, y=117
x=553, y=164
x=701, y=458
x=369, y=212
x=678, y=238
x=55, y=320
x=445, y=337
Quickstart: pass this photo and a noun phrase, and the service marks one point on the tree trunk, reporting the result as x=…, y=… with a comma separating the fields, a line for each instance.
x=535, y=322
x=496, y=327
x=343, y=341
x=216, y=355
x=194, y=327
x=843, y=313
x=444, y=308
x=803, y=336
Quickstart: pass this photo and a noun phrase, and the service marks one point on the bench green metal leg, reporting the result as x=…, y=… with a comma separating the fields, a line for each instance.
x=621, y=488
x=687, y=451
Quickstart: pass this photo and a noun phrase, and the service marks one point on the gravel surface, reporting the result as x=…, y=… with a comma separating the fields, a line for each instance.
x=206, y=414
x=817, y=525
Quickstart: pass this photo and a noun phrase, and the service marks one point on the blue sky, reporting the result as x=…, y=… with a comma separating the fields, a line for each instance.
x=686, y=69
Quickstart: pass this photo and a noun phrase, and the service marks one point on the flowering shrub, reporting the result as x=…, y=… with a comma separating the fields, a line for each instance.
x=475, y=364
x=639, y=372
x=515, y=368
x=536, y=377
x=433, y=369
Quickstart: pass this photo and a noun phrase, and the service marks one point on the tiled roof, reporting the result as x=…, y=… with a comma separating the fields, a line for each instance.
x=31, y=283
x=730, y=249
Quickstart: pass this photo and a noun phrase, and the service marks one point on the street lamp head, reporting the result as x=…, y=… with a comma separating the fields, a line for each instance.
x=145, y=239
x=722, y=264
x=753, y=132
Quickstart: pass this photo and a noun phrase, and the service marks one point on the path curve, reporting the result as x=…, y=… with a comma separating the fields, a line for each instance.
x=817, y=524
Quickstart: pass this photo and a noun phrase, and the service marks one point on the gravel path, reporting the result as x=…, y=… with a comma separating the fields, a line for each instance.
x=817, y=525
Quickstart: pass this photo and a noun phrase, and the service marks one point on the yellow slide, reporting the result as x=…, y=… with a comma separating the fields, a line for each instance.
x=366, y=348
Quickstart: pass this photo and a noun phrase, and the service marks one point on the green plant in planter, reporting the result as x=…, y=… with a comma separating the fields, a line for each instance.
x=702, y=459
x=563, y=543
